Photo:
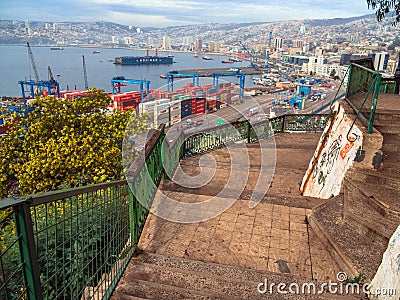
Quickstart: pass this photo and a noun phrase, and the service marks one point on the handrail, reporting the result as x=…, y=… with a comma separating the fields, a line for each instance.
x=61, y=232
x=338, y=89
x=365, y=68
x=362, y=105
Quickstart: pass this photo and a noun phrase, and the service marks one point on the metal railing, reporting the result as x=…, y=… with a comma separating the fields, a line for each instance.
x=75, y=244
x=362, y=92
x=65, y=244
x=219, y=136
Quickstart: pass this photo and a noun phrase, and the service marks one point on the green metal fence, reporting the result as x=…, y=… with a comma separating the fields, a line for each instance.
x=75, y=244
x=362, y=92
x=65, y=244
x=220, y=136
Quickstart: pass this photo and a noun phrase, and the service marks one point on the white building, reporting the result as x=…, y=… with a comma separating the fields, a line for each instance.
x=166, y=44
x=198, y=45
x=128, y=40
x=278, y=43
x=380, y=60
x=298, y=44
x=214, y=46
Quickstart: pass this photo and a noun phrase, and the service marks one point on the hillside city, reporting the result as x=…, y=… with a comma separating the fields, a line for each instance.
x=320, y=47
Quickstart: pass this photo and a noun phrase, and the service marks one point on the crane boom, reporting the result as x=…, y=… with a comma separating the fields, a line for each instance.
x=84, y=72
x=249, y=52
x=51, y=77
x=32, y=60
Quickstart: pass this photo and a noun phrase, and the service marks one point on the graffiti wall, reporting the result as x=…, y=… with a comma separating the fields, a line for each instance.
x=334, y=155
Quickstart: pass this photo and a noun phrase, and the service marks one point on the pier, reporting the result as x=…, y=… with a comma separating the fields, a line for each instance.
x=210, y=72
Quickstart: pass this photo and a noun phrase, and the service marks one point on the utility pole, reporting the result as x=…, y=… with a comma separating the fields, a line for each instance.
x=397, y=76
x=84, y=72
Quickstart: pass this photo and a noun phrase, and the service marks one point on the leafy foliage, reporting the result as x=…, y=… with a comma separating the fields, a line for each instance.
x=383, y=9
x=63, y=143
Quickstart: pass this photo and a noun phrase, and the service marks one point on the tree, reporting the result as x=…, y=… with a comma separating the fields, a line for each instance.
x=333, y=73
x=385, y=8
x=63, y=143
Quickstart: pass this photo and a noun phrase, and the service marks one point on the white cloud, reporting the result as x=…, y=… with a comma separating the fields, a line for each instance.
x=141, y=20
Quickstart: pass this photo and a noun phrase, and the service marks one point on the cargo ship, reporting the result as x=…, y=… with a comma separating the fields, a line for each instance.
x=144, y=60
x=56, y=48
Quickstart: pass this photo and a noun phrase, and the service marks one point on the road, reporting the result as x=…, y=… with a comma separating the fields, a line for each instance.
x=240, y=111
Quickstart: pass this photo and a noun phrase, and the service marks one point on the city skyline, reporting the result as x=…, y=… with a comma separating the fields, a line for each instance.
x=158, y=13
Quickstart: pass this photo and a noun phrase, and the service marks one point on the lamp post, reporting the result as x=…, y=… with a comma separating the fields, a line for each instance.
x=397, y=76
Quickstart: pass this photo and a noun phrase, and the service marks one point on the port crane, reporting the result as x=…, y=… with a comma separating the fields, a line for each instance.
x=252, y=64
x=266, y=67
x=85, y=73
x=236, y=74
x=172, y=75
x=118, y=81
x=52, y=85
x=50, y=73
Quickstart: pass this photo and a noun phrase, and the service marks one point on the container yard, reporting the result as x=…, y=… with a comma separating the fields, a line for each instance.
x=170, y=108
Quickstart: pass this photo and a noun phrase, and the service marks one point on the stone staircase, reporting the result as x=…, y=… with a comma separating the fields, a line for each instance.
x=228, y=256
x=164, y=277
x=358, y=226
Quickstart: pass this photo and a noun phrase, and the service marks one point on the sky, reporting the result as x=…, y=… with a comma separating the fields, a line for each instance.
x=162, y=13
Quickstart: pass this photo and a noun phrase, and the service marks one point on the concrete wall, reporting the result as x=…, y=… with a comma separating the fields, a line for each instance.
x=333, y=157
x=387, y=279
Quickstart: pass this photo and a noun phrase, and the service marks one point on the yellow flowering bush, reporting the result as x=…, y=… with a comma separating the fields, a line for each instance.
x=63, y=143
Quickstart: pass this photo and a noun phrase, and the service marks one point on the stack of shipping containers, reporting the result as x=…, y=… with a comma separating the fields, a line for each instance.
x=169, y=108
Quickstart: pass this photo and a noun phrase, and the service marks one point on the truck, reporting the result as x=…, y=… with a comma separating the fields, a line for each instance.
x=253, y=111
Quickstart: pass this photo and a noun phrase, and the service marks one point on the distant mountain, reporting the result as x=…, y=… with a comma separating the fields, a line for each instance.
x=337, y=21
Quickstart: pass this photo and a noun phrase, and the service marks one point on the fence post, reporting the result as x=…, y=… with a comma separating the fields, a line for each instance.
x=348, y=80
x=374, y=103
x=132, y=216
x=27, y=250
x=248, y=131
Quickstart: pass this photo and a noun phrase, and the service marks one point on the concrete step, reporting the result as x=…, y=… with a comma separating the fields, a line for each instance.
x=166, y=277
x=384, y=200
x=387, y=116
x=146, y=289
x=374, y=177
x=366, y=215
x=353, y=251
x=384, y=127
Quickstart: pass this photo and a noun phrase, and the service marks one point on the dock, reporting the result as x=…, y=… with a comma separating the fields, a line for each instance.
x=210, y=72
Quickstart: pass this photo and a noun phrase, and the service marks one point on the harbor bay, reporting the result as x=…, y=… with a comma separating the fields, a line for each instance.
x=67, y=68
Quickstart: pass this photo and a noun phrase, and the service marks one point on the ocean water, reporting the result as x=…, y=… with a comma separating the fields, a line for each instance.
x=67, y=67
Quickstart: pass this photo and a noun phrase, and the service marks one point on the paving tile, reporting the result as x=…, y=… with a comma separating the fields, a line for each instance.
x=297, y=211
x=300, y=257
x=298, y=236
x=298, y=219
x=228, y=217
x=262, y=221
x=256, y=263
x=273, y=265
x=243, y=228
x=241, y=237
x=293, y=226
x=300, y=270
x=280, y=233
x=261, y=230
x=279, y=253
x=280, y=224
x=260, y=239
x=239, y=248
x=247, y=220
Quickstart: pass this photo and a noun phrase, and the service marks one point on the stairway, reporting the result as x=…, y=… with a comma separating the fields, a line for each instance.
x=153, y=276
x=227, y=256
x=360, y=226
